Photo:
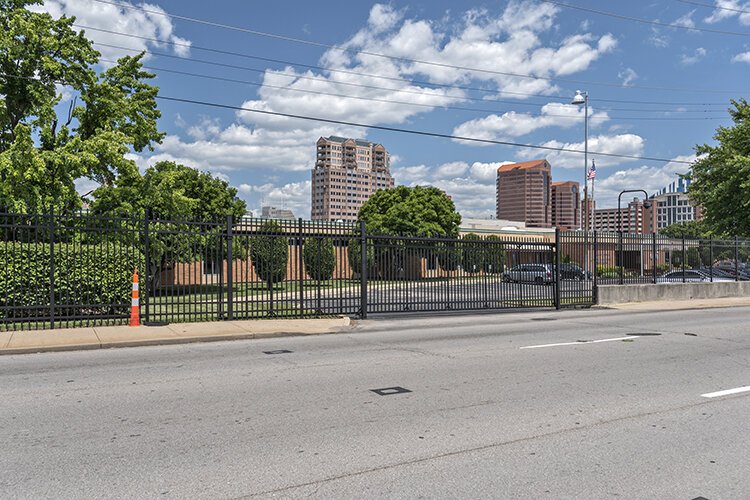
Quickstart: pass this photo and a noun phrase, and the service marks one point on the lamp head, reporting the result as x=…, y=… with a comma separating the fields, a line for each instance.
x=579, y=98
x=646, y=204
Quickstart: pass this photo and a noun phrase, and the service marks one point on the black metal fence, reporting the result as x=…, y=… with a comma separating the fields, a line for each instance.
x=76, y=270
x=609, y=258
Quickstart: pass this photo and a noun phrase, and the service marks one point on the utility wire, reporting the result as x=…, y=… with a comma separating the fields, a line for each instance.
x=715, y=6
x=424, y=105
x=418, y=82
x=376, y=87
x=417, y=132
x=399, y=58
x=384, y=128
x=637, y=19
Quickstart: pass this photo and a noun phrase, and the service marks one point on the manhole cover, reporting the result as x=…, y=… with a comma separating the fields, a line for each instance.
x=387, y=391
x=278, y=351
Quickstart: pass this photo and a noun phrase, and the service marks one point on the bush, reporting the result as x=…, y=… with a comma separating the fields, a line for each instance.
x=608, y=271
x=89, y=279
x=472, y=255
x=494, y=255
x=269, y=252
x=320, y=258
x=449, y=255
x=354, y=249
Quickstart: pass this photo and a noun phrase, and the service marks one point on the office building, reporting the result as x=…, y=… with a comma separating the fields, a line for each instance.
x=566, y=205
x=524, y=192
x=633, y=218
x=346, y=173
x=269, y=212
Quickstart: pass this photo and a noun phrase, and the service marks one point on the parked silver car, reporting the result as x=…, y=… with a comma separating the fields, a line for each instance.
x=541, y=274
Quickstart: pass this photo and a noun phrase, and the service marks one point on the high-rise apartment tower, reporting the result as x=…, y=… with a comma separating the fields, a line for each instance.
x=347, y=172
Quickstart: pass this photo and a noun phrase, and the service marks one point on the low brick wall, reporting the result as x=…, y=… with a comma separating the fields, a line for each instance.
x=620, y=294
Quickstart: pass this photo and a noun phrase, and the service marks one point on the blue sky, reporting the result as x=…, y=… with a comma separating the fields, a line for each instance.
x=621, y=63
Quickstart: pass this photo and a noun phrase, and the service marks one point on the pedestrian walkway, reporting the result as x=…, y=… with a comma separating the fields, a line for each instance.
x=102, y=337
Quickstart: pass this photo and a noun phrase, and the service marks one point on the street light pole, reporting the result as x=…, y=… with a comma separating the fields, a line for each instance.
x=582, y=97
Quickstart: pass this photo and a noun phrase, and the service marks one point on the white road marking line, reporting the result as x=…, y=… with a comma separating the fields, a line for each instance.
x=579, y=343
x=726, y=392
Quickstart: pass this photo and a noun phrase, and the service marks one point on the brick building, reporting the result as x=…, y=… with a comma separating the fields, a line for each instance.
x=346, y=173
x=524, y=192
x=634, y=218
x=566, y=205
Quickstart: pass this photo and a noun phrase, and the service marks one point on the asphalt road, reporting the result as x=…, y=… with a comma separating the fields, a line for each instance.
x=487, y=416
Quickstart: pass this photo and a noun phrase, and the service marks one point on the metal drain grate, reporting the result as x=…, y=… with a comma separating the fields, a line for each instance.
x=388, y=391
x=543, y=319
x=278, y=351
x=648, y=334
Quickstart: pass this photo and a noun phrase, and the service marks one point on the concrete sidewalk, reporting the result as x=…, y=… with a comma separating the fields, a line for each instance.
x=103, y=337
x=676, y=305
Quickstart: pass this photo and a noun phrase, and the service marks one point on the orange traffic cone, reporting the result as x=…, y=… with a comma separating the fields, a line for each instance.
x=135, y=308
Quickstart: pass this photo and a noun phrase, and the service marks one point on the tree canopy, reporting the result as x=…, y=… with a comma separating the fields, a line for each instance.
x=171, y=191
x=45, y=143
x=690, y=229
x=721, y=177
x=411, y=211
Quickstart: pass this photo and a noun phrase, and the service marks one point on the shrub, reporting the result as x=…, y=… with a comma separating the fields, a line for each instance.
x=472, y=254
x=89, y=279
x=608, y=271
x=320, y=258
x=449, y=255
x=354, y=250
x=269, y=253
x=494, y=255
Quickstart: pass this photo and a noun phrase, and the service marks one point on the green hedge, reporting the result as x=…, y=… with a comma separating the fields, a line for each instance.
x=90, y=280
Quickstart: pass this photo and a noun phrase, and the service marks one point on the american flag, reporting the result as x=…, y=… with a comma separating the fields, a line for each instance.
x=592, y=171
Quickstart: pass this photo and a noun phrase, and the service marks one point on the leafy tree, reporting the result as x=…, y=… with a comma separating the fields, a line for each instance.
x=354, y=250
x=320, y=258
x=721, y=177
x=44, y=145
x=690, y=229
x=494, y=256
x=411, y=211
x=472, y=254
x=269, y=253
x=175, y=194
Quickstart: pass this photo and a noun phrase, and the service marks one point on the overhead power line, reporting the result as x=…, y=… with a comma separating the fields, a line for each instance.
x=398, y=58
x=417, y=104
x=377, y=87
x=418, y=132
x=710, y=6
x=638, y=19
x=388, y=129
x=351, y=72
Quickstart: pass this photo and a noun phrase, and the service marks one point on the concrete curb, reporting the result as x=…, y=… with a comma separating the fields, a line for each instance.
x=123, y=336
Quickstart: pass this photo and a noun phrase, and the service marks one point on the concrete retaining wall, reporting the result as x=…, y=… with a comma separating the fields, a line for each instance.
x=619, y=294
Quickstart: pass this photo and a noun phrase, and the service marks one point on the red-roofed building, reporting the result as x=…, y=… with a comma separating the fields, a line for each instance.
x=524, y=193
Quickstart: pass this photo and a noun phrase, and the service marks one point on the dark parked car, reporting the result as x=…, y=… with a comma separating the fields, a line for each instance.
x=573, y=272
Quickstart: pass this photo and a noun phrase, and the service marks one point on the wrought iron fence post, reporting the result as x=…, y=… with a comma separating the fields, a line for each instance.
x=736, y=260
x=363, y=270
x=653, y=255
x=711, y=258
x=52, y=266
x=147, y=257
x=230, y=277
x=300, y=269
x=683, y=257
x=557, y=267
x=621, y=263
x=594, y=274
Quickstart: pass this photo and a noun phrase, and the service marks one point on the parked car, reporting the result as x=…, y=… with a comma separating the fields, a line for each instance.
x=691, y=276
x=573, y=272
x=541, y=274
